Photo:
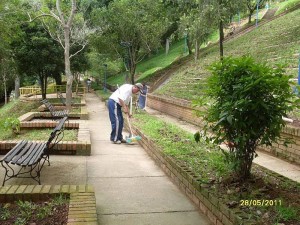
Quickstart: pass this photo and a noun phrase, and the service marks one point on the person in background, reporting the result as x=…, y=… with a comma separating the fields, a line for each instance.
x=89, y=83
x=142, y=99
x=119, y=100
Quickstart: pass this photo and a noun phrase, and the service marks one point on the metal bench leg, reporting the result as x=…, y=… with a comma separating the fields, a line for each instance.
x=7, y=169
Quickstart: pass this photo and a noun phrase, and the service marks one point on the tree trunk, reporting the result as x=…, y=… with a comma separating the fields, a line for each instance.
x=189, y=45
x=68, y=68
x=249, y=18
x=132, y=72
x=196, y=50
x=221, y=32
x=17, y=87
x=167, y=46
x=5, y=89
x=4, y=81
x=57, y=78
x=43, y=86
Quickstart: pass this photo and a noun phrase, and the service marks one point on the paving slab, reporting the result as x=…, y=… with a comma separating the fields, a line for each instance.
x=125, y=165
x=138, y=195
x=166, y=218
x=62, y=170
x=106, y=147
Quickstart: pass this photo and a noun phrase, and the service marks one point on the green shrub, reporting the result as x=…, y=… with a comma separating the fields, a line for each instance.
x=12, y=123
x=248, y=101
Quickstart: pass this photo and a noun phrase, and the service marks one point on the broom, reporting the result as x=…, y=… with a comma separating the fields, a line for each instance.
x=131, y=137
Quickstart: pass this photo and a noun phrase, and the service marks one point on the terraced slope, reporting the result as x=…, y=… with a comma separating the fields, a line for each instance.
x=277, y=42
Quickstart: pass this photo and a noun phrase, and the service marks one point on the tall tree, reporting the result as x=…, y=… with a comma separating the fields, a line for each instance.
x=69, y=29
x=196, y=24
x=252, y=6
x=10, y=13
x=223, y=10
x=134, y=25
x=38, y=55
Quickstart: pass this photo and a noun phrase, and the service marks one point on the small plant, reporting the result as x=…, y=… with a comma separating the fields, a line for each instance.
x=20, y=221
x=59, y=200
x=26, y=209
x=4, y=212
x=44, y=211
x=12, y=123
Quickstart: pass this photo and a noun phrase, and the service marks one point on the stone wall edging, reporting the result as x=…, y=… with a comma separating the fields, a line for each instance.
x=182, y=109
x=82, y=204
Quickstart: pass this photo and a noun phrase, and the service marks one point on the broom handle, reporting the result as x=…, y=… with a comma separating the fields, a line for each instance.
x=128, y=121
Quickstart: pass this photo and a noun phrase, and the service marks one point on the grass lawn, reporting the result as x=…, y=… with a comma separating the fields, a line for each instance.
x=38, y=135
x=285, y=5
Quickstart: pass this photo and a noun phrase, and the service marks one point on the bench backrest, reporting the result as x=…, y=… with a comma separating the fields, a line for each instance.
x=48, y=105
x=56, y=135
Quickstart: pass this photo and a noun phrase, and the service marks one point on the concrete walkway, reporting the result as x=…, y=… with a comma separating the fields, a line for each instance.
x=130, y=188
x=275, y=164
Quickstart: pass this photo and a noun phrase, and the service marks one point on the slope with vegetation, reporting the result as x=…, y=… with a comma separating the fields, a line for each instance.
x=274, y=43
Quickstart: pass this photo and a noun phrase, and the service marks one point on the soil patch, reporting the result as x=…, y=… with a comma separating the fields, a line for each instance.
x=270, y=199
x=34, y=213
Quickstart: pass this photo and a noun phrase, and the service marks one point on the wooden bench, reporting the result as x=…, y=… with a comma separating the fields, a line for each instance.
x=55, y=114
x=27, y=158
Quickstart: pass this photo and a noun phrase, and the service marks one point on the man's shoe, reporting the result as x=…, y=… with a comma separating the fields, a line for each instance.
x=123, y=141
x=117, y=142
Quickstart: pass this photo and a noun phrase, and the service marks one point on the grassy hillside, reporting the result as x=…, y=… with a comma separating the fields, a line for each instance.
x=152, y=64
x=276, y=42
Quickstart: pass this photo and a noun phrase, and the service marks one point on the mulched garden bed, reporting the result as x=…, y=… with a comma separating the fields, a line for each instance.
x=34, y=213
x=268, y=197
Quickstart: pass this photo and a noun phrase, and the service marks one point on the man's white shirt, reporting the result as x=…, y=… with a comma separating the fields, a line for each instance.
x=124, y=93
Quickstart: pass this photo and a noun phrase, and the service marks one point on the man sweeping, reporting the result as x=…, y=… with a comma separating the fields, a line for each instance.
x=117, y=101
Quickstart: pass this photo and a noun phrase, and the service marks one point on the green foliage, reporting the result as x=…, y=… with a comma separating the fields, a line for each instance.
x=248, y=102
x=4, y=212
x=138, y=24
x=286, y=213
x=204, y=159
x=44, y=212
x=261, y=43
x=13, y=124
x=283, y=6
x=27, y=211
x=38, y=55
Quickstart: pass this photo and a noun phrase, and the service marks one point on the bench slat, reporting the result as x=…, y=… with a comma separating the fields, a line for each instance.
x=9, y=156
x=34, y=154
x=37, y=155
x=22, y=154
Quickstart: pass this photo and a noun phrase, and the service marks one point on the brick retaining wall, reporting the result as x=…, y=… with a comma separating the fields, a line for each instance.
x=82, y=204
x=182, y=109
x=178, y=108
